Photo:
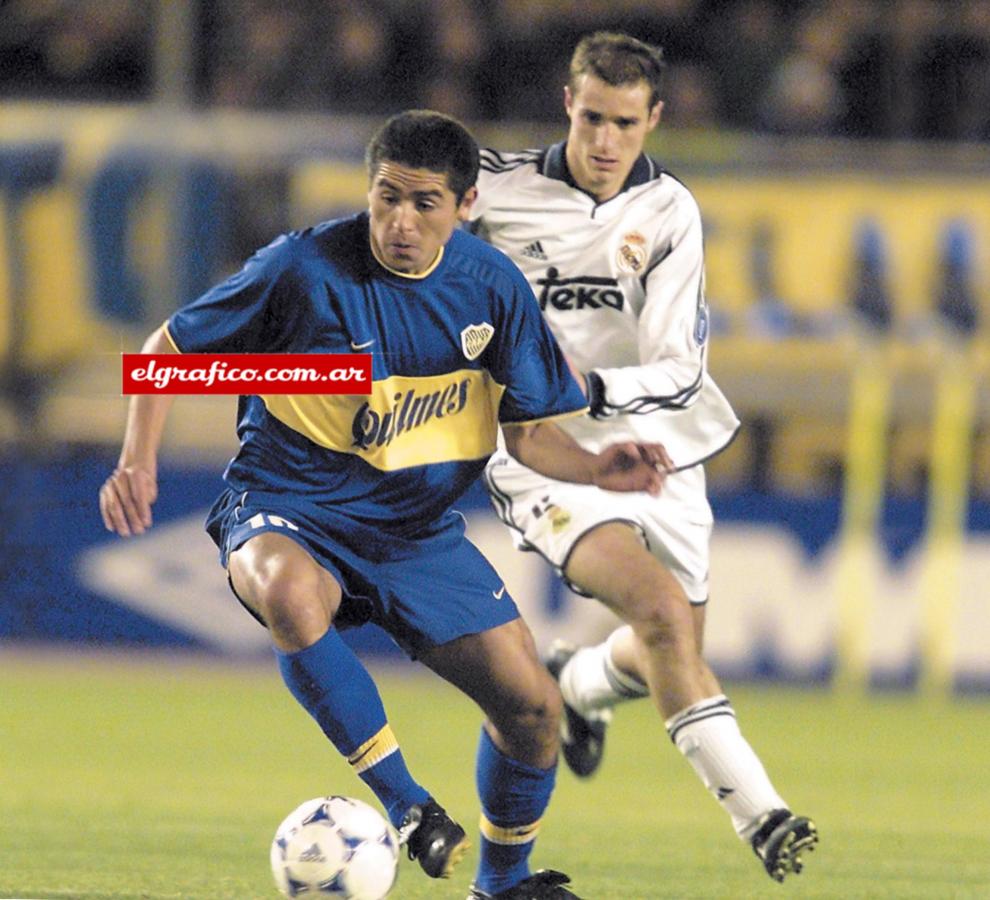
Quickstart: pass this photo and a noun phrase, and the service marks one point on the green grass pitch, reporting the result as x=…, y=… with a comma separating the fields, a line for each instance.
x=162, y=779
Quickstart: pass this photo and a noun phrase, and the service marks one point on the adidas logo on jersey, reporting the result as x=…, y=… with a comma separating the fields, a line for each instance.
x=534, y=251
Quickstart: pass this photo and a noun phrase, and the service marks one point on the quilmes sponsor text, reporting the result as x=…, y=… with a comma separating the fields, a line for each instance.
x=410, y=409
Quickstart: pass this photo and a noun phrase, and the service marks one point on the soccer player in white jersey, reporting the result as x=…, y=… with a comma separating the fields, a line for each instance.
x=612, y=245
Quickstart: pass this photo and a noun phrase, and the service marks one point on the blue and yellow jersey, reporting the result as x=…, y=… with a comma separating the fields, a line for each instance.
x=454, y=351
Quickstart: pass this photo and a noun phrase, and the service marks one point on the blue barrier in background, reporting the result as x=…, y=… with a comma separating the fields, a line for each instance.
x=65, y=579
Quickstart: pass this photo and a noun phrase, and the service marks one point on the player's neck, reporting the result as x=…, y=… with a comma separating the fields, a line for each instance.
x=412, y=275
x=599, y=196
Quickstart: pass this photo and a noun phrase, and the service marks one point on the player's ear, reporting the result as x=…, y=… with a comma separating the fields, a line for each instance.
x=655, y=115
x=568, y=99
x=467, y=201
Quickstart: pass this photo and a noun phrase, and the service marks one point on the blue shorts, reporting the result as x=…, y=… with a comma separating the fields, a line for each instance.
x=422, y=591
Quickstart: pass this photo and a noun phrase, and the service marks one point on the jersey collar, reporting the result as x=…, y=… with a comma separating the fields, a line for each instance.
x=555, y=166
x=417, y=276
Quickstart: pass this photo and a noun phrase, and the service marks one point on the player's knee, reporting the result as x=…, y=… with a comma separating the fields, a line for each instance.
x=290, y=599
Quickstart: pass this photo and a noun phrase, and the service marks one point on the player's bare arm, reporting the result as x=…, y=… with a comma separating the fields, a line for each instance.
x=127, y=495
x=551, y=451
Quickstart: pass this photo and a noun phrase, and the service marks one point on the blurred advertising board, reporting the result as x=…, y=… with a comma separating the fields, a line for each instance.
x=869, y=533
x=773, y=612
x=114, y=217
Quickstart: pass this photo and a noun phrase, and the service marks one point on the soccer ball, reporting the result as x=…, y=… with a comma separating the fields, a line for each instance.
x=337, y=847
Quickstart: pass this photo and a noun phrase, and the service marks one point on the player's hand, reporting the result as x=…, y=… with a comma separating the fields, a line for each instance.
x=633, y=467
x=126, y=498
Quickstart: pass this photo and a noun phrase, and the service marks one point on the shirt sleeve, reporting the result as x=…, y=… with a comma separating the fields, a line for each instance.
x=252, y=311
x=530, y=364
x=673, y=330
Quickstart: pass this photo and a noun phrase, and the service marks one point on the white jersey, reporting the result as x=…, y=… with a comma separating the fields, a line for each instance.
x=621, y=285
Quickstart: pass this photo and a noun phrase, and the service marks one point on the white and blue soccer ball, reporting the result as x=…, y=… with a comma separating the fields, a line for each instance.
x=335, y=847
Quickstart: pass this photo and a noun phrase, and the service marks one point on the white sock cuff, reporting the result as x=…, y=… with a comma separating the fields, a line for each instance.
x=718, y=705
x=626, y=686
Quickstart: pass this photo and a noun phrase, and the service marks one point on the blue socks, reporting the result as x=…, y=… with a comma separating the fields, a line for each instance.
x=337, y=691
x=513, y=798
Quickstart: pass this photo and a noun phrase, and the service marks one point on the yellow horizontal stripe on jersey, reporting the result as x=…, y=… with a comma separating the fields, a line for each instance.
x=373, y=750
x=406, y=421
x=514, y=834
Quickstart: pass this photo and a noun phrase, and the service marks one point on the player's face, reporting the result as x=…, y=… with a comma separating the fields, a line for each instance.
x=413, y=214
x=608, y=127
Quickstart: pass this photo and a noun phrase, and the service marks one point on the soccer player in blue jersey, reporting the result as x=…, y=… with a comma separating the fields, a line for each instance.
x=337, y=509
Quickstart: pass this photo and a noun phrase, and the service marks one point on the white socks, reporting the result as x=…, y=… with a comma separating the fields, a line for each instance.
x=707, y=734
x=591, y=684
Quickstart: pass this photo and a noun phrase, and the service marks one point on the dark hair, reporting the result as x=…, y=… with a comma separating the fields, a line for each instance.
x=423, y=139
x=619, y=59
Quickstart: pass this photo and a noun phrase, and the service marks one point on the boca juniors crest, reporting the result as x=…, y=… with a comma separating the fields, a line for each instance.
x=475, y=338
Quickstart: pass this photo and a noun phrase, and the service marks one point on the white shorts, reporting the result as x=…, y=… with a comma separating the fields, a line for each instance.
x=550, y=517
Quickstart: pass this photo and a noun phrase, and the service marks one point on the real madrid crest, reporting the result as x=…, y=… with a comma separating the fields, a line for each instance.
x=631, y=255
x=475, y=338
x=559, y=518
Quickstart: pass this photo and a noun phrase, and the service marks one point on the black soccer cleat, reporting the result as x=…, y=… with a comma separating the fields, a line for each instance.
x=781, y=839
x=543, y=885
x=433, y=838
x=582, y=739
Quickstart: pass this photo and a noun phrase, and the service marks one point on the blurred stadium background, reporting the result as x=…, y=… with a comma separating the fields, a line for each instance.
x=839, y=151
